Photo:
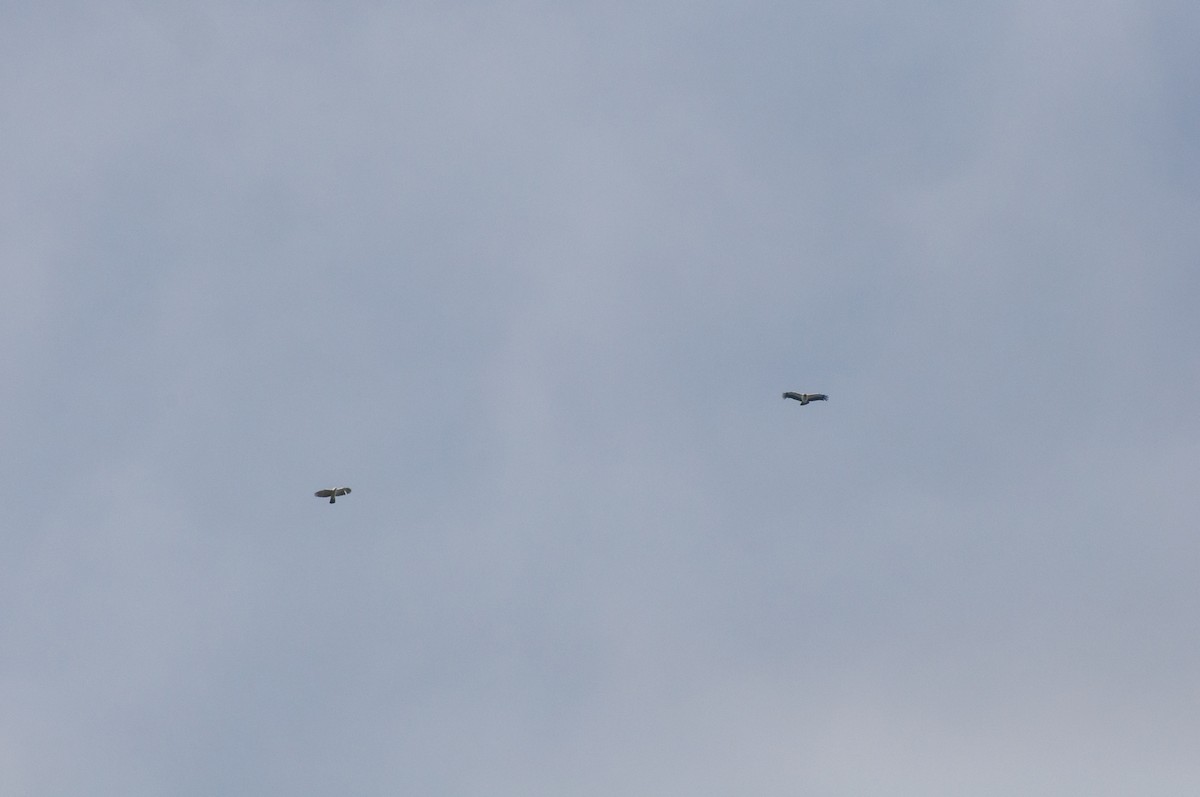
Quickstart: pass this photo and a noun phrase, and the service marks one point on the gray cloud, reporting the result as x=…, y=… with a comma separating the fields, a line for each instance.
x=531, y=280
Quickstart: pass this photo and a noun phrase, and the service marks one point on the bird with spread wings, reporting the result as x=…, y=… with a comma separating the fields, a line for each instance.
x=804, y=398
x=333, y=494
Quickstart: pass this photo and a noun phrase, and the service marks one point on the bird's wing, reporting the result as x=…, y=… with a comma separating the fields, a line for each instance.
x=323, y=493
x=792, y=395
x=342, y=491
x=818, y=397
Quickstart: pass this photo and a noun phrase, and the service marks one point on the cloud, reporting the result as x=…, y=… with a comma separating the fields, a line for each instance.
x=531, y=280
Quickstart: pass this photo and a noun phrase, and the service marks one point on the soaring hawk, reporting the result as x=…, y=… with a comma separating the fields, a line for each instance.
x=804, y=398
x=333, y=494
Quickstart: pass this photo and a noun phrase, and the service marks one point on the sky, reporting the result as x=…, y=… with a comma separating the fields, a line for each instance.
x=531, y=278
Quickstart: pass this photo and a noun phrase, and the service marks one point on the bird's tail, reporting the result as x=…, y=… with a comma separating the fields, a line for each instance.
x=333, y=499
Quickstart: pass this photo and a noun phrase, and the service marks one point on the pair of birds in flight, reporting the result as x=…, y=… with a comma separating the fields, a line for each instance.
x=804, y=398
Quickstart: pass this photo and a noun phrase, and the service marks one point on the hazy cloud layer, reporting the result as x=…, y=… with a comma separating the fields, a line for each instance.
x=531, y=279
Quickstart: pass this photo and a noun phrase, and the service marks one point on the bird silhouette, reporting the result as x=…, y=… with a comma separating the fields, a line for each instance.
x=804, y=398
x=333, y=494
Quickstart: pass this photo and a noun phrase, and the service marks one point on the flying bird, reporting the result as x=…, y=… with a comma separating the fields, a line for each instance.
x=804, y=398
x=333, y=494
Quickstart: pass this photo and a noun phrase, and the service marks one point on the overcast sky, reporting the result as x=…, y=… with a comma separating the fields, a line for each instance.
x=531, y=277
